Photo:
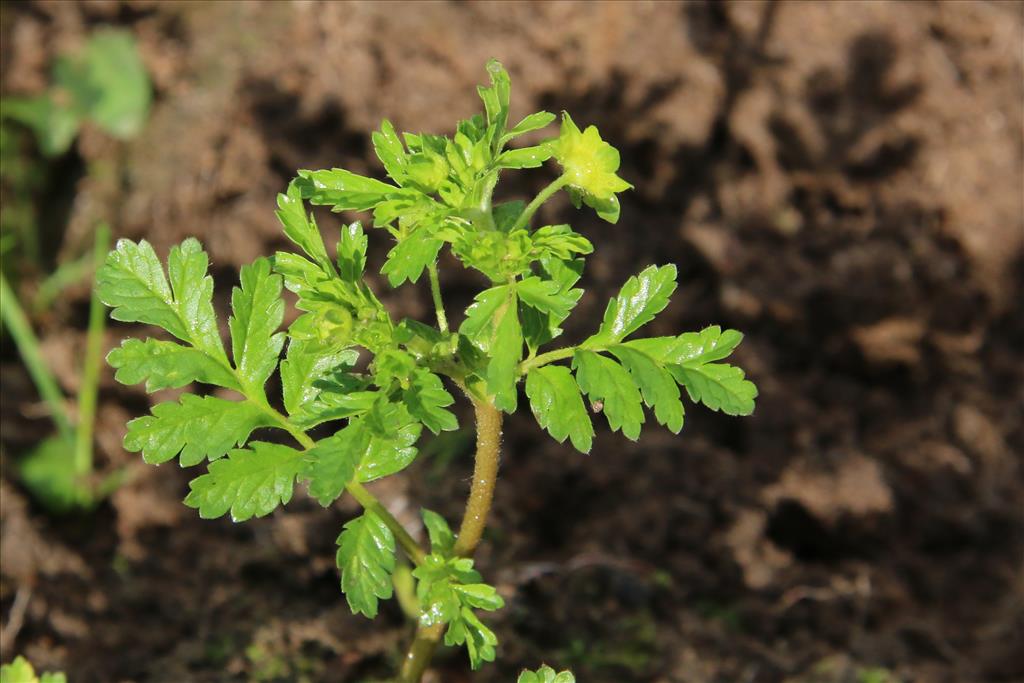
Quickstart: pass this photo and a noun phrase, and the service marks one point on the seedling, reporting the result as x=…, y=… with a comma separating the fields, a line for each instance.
x=105, y=83
x=379, y=382
x=59, y=470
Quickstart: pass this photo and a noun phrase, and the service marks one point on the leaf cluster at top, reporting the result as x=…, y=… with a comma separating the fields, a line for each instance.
x=382, y=382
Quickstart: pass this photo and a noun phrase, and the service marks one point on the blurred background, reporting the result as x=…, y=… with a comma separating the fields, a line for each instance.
x=842, y=181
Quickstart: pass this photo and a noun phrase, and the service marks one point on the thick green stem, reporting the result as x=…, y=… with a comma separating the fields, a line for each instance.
x=544, y=195
x=435, y=292
x=89, y=388
x=481, y=493
x=485, y=472
x=28, y=347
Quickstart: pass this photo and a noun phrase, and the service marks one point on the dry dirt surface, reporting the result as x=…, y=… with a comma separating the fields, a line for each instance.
x=840, y=180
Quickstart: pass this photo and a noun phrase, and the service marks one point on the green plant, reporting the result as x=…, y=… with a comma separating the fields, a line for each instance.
x=20, y=671
x=59, y=470
x=105, y=83
x=348, y=359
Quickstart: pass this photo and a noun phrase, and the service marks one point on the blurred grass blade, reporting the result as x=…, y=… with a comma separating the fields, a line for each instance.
x=89, y=386
x=28, y=346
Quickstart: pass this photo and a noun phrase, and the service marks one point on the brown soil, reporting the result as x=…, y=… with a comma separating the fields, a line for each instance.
x=842, y=181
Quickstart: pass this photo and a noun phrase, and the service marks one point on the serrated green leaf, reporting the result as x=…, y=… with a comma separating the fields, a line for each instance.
x=480, y=641
x=331, y=463
x=479, y=595
x=352, y=252
x=427, y=401
x=408, y=258
x=132, y=282
x=719, y=386
x=506, y=349
x=496, y=102
x=390, y=151
x=300, y=227
x=640, y=299
x=342, y=190
x=166, y=365
x=258, y=312
x=442, y=540
x=196, y=427
x=305, y=363
x=657, y=386
x=525, y=157
x=249, y=482
x=480, y=317
x=708, y=345
x=187, y=264
x=558, y=406
x=559, y=242
x=392, y=448
x=546, y=296
x=530, y=123
x=608, y=383
x=366, y=558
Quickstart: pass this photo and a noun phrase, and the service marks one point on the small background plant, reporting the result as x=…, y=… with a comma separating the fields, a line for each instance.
x=358, y=388
x=103, y=84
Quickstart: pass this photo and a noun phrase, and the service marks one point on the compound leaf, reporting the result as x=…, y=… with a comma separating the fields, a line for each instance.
x=558, y=406
x=250, y=482
x=366, y=557
x=427, y=401
x=197, y=428
x=546, y=296
x=410, y=256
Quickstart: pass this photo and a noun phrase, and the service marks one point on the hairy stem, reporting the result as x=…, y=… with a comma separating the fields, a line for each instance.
x=91, y=369
x=28, y=346
x=485, y=472
x=544, y=195
x=481, y=493
x=435, y=292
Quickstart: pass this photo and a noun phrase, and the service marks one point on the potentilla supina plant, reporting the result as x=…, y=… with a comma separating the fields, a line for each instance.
x=380, y=383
